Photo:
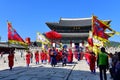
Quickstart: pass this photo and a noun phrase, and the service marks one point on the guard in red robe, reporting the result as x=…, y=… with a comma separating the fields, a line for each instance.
x=11, y=59
x=45, y=57
x=28, y=58
x=60, y=53
x=42, y=56
x=92, y=62
x=87, y=57
x=59, y=56
x=37, y=57
x=70, y=56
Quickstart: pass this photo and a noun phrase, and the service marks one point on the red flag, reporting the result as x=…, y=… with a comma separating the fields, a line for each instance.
x=13, y=36
x=90, y=41
x=99, y=28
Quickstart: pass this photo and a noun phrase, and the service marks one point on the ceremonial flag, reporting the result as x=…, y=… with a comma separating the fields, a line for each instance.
x=13, y=36
x=41, y=38
x=98, y=28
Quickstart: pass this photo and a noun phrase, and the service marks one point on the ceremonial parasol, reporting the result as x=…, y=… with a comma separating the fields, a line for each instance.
x=53, y=35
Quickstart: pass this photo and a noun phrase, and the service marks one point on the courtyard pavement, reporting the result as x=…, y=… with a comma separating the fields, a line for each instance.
x=74, y=71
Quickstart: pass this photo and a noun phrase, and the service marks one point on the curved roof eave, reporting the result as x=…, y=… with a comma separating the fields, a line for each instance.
x=72, y=19
x=72, y=22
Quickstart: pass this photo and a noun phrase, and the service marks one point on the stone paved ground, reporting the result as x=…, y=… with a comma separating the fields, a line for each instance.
x=74, y=71
x=81, y=72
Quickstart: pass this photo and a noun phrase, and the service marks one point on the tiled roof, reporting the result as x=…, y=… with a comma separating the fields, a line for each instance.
x=71, y=22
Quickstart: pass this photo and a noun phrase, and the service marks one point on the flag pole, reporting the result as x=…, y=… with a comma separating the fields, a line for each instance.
x=7, y=33
x=92, y=30
x=96, y=36
x=94, y=45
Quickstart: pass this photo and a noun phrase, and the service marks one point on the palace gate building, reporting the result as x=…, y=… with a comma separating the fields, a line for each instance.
x=73, y=30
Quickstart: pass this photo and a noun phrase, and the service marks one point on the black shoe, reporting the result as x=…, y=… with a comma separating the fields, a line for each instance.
x=10, y=68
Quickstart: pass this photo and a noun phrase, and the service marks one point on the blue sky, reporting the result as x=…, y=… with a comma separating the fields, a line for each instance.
x=30, y=16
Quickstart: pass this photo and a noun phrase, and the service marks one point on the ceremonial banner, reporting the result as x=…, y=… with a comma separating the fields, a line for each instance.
x=41, y=38
x=13, y=36
x=98, y=28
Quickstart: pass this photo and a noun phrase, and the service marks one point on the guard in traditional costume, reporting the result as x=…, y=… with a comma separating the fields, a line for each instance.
x=70, y=56
x=11, y=59
x=37, y=57
x=42, y=56
x=28, y=56
x=45, y=56
x=92, y=62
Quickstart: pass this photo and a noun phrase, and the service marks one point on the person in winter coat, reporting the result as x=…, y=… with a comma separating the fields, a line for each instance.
x=53, y=55
x=11, y=59
x=64, y=57
x=117, y=68
x=79, y=50
x=28, y=56
x=111, y=65
x=37, y=57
